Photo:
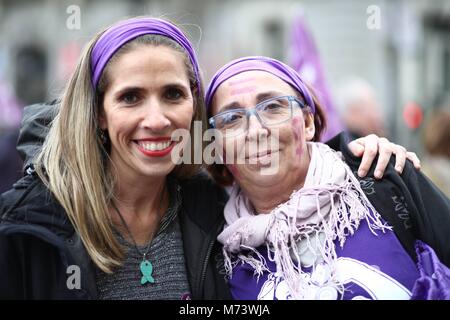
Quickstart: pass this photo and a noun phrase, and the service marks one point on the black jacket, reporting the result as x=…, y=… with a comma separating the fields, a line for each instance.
x=38, y=243
x=409, y=202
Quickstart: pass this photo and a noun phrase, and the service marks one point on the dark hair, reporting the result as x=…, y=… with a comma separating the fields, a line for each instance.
x=224, y=177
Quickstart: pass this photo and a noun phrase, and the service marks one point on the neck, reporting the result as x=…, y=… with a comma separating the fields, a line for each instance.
x=143, y=198
x=265, y=199
x=142, y=204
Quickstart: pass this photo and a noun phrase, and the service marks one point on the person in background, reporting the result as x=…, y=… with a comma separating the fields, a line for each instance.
x=359, y=109
x=10, y=115
x=436, y=138
x=310, y=229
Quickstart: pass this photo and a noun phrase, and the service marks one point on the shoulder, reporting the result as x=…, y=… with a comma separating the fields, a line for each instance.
x=340, y=143
x=15, y=197
x=202, y=198
x=35, y=125
x=200, y=182
x=30, y=205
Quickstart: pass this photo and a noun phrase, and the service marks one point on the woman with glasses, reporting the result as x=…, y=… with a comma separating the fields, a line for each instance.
x=308, y=228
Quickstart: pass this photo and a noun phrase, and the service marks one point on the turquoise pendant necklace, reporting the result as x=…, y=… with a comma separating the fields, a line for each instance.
x=145, y=266
x=146, y=270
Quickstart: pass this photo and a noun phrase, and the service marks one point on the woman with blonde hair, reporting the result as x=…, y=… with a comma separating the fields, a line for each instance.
x=103, y=212
x=106, y=203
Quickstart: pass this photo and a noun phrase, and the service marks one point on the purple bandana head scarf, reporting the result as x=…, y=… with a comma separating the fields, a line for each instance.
x=257, y=63
x=116, y=36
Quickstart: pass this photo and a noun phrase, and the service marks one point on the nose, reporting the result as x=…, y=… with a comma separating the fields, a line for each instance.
x=154, y=117
x=256, y=130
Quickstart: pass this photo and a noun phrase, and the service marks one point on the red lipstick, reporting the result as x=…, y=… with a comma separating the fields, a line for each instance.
x=156, y=153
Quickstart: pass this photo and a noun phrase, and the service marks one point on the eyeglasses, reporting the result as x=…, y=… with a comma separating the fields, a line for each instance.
x=270, y=112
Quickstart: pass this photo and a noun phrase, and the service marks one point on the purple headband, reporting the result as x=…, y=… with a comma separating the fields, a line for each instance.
x=258, y=63
x=116, y=36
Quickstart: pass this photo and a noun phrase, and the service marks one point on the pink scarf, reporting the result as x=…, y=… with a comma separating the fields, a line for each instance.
x=330, y=206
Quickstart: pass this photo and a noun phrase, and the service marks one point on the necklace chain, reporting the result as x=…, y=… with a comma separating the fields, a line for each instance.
x=144, y=254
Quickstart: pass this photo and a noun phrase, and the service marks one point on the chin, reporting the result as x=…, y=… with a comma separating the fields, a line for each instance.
x=263, y=175
x=157, y=170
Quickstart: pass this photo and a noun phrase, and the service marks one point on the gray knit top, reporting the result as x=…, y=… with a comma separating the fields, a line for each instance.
x=166, y=255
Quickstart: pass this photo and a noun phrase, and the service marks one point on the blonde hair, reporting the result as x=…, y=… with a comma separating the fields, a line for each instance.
x=73, y=162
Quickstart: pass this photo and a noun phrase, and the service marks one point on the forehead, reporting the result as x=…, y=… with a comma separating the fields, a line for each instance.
x=148, y=63
x=260, y=79
x=246, y=86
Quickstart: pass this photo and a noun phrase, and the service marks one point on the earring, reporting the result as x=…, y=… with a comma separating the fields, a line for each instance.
x=102, y=136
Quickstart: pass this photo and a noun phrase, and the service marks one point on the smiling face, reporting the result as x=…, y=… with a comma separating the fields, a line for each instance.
x=246, y=90
x=148, y=97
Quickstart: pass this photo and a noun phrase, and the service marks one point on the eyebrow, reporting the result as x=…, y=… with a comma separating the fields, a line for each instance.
x=259, y=98
x=231, y=106
x=267, y=95
x=121, y=91
x=178, y=85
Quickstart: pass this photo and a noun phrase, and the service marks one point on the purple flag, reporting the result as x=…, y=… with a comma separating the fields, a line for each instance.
x=304, y=58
